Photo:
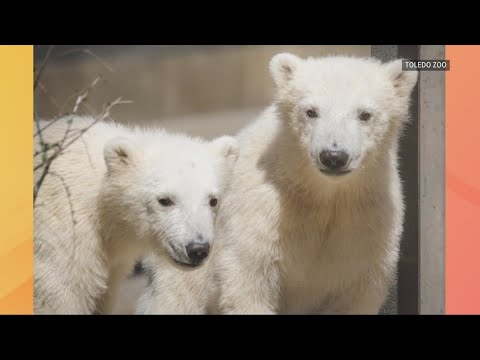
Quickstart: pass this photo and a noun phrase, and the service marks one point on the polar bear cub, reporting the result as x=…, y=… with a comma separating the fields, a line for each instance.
x=115, y=195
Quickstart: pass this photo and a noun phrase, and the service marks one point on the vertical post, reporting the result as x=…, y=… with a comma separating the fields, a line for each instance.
x=404, y=295
x=432, y=185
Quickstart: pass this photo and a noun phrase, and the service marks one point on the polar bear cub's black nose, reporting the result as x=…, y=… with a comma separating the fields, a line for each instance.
x=197, y=251
x=334, y=160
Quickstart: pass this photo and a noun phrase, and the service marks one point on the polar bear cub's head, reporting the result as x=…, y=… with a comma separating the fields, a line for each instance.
x=167, y=189
x=345, y=111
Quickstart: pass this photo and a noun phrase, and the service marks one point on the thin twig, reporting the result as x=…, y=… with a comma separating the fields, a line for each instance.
x=45, y=170
x=69, y=125
x=48, y=161
x=38, y=184
x=81, y=95
x=38, y=133
x=38, y=152
x=69, y=196
x=42, y=66
x=37, y=122
x=87, y=152
x=80, y=99
x=70, y=136
x=91, y=53
x=60, y=109
x=72, y=213
x=50, y=97
x=104, y=115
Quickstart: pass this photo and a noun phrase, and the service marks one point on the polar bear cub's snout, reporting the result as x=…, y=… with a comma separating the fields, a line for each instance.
x=334, y=160
x=197, y=251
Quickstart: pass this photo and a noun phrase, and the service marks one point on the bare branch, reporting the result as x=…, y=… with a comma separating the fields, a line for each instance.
x=69, y=196
x=44, y=152
x=42, y=143
x=48, y=161
x=91, y=53
x=72, y=212
x=38, y=133
x=69, y=125
x=50, y=97
x=40, y=136
x=109, y=106
x=42, y=66
x=50, y=151
x=79, y=101
x=47, y=147
x=81, y=95
x=39, y=183
x=103, y=116
x=88, y=153
x=60, y=108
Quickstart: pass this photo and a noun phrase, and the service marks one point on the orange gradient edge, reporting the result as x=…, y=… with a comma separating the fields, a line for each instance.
x=16, y=192
x=462, y=287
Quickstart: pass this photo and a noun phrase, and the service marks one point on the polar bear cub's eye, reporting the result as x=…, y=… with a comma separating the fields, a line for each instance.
x=312, y=113
x=213, y=201
x=165, y=201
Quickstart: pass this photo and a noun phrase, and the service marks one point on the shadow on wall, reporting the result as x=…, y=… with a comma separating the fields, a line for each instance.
x=201, y=90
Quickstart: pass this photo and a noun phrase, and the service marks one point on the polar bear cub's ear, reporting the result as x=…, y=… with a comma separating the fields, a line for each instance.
x=119, y=153
x=283, y=67
x=403, y=81
x=227, y=147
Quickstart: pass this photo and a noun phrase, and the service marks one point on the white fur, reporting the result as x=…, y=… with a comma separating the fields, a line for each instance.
x=98, y=210
x=289, y=238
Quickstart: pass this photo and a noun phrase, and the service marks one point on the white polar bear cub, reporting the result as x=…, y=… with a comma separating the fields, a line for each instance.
x=313, y=217
x=115, y=195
